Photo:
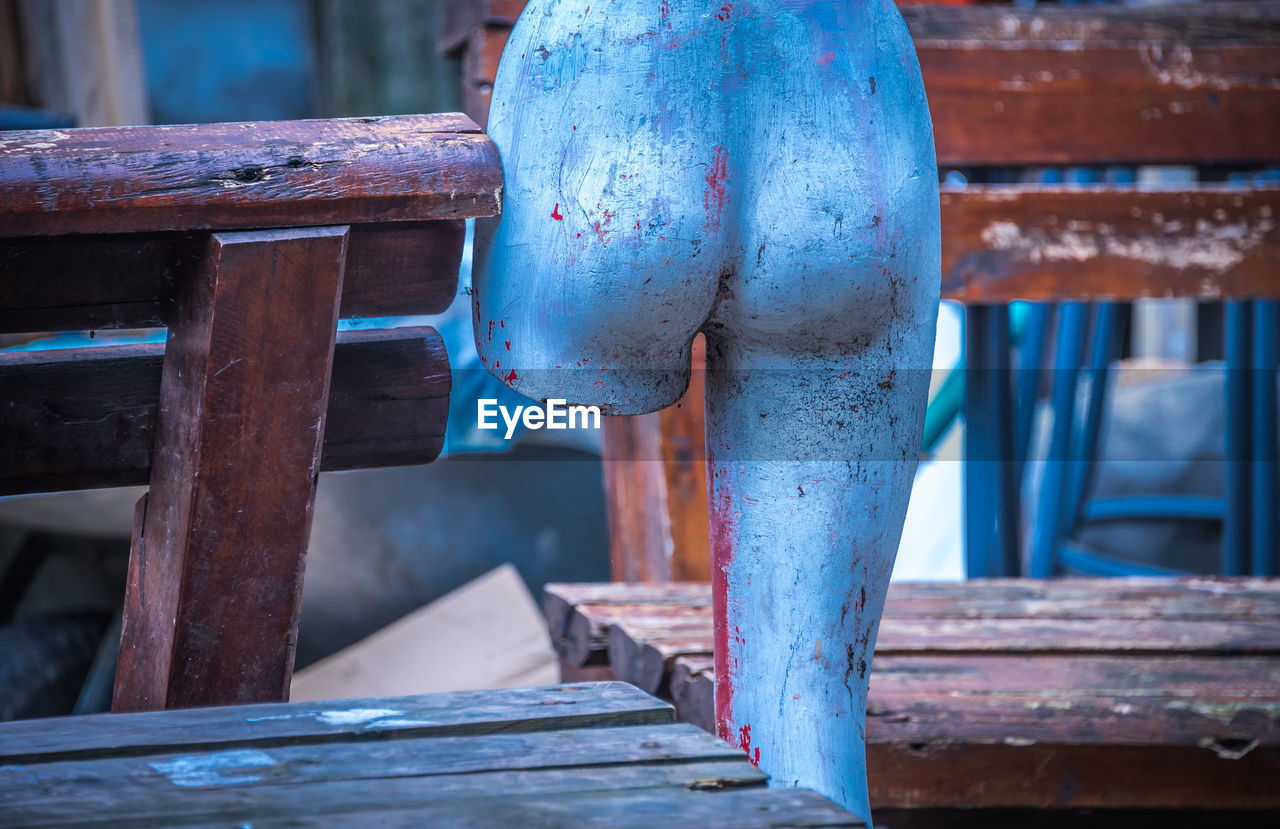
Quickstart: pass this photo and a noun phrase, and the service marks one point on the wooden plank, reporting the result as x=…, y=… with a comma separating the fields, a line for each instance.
x=211, y=606
x=247, y=175
x=1055, y=243
x=902, y=635
x=129, y=280
x=1191, y=82
x=1052, y=776
x=459, y=17
x=1182, y=83
x=434, y=795
x=734, y=804
x=516, y=710
x=1148, y=732
x=85, y=418
x=584, y=638
x=169, y=785
x=1221, y=678
x=1190, y=597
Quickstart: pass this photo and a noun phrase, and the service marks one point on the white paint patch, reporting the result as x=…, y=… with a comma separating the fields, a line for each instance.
x=207, y=769
x=400, y=723
x=355, y=716
x=1214, y=247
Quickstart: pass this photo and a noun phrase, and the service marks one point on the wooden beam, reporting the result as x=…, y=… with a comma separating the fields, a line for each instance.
x=1186, y=82
x=62, y=283
x=1190, y=82
x=1001, y=243
x=211, y=606
x=248, y=175
x=85, y=418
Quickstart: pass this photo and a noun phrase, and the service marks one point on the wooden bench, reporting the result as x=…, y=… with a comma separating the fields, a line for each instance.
x=566, y=755
x=1131, y=697
x=230, y=423
x=249, y=242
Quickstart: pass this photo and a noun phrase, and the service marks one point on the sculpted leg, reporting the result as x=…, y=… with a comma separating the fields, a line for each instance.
x=762, y=172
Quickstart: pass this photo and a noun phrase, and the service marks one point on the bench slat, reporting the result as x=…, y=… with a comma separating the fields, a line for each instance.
x=246, y=175
x=1056, y=243
x=85, y=418
x=129, y=280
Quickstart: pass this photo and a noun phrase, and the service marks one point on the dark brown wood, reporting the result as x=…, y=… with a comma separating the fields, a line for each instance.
x=459, y=17
x=129, y=280
x=1054, y=243
x=1066, y=694
x=85, y=418
x=1193, y=82
x=212, y=602
x=1189, y=82
x=248, y=175
x=553, y=756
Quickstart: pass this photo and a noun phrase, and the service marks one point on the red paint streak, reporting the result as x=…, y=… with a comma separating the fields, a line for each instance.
x=724, y=541
x=726, y=12
x=826, y=57
x=717, y=194
x=664, y=8
x=502, y=323
x=507, y=343
x=511, y=377
x=490, y=330
x=744, y=740
x=555, y=213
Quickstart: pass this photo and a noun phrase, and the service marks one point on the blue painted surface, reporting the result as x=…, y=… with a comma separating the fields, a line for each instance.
x=1051, y=525
x=764, y=173
x=1265, y=552
x=228, y=60
x=1238, y=473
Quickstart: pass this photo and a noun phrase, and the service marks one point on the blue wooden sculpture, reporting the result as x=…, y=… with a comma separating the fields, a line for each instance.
x=764, y=173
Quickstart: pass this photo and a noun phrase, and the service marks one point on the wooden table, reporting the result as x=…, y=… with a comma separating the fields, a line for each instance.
x=594, y=753
x=1132, y=696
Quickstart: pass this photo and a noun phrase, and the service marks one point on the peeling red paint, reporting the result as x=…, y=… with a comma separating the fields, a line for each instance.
x=723, y=543
x=717, y=194
x=507, y=343
x=555, y=213
x=744, y=740
x=725, y=13
x=511, y=377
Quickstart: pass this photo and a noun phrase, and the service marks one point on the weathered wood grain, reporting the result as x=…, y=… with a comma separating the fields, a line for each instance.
x=156, y=785
x=353, y=721
x=85, y=418
x=1050, y=243
x=1068, y=694
x=130, y=280
x=211, y=606
x=735, y=804
x=246, y=175
x=601, y=752
x=1185, y=83
x=1191, y=82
